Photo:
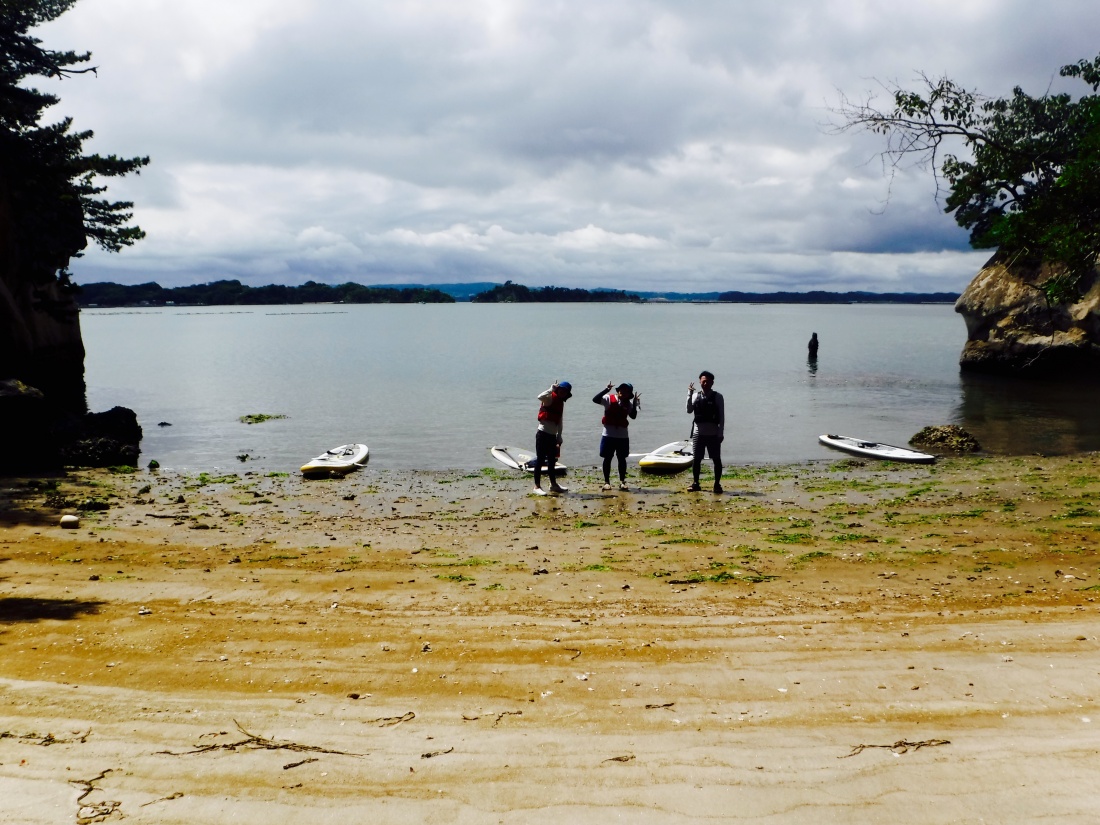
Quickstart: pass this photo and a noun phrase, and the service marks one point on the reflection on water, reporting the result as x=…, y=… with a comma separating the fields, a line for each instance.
x=1021, y=417
x=811, y=364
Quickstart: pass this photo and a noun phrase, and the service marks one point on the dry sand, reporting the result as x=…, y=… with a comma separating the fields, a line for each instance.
x=829, y=642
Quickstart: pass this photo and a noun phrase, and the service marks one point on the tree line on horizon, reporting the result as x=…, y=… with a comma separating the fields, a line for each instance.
x=234, y=293
x=511, y=293
x=818, y=296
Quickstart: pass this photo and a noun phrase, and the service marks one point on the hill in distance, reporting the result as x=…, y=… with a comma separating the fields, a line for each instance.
x=234, y=293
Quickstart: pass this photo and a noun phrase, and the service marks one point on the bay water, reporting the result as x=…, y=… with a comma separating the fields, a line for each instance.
x=433, y=386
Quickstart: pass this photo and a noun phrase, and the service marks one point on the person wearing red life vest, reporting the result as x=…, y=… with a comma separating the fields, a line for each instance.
x=548, y=434
x=619, y=406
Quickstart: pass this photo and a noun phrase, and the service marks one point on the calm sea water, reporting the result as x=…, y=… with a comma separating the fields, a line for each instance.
x=434, y=386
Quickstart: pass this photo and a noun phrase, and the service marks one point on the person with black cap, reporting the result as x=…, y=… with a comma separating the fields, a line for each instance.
x=548, y=435
x=619, y=406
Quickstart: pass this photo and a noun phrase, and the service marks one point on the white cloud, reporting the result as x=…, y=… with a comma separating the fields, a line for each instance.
x=640, y=145
x=593, y=239
x=454, y=237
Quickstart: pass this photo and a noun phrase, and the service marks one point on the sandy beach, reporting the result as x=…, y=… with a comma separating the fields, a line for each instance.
x=834, y=641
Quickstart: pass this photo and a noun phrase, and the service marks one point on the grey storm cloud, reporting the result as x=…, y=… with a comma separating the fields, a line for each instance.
x=637, y=145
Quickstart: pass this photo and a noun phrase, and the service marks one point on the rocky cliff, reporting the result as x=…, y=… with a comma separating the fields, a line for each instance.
x=1013, y=330
x=40, y=341
x=44, y=421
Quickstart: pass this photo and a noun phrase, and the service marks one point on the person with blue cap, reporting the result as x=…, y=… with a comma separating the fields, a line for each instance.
x=548, y=436
x=619, y=406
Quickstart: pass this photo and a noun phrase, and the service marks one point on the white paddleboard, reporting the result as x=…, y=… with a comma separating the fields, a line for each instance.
x=338, y=461
x=873, y=449
x=519, y=459
x=667, y=460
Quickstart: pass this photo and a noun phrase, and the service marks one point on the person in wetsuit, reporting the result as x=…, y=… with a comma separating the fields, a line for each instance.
x=709, y=409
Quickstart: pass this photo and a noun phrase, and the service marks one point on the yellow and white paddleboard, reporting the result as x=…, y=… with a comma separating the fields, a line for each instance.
x=667, y=460
x=338, y=461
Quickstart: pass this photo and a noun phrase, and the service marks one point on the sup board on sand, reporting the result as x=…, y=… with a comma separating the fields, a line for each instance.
x=873, y=449
x=520, y=459
x=667, y=460
x=338, y=461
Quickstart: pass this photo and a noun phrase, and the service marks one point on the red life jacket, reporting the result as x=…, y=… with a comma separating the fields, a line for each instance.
x=615, y=414
x=553, y=410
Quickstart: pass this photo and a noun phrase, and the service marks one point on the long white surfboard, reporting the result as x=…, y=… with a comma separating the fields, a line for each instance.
x=520, y=459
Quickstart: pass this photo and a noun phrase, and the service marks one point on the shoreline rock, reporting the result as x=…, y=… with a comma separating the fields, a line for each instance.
x=101, y=439
x=37, y=438
x=1013, y=330
x=947, y=438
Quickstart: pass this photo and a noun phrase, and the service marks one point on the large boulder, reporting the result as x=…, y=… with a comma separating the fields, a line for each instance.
x=1013, y=330
x=100, y=439
x=35, y=437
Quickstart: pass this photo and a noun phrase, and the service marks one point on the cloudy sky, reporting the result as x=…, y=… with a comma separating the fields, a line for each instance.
x=636, y=144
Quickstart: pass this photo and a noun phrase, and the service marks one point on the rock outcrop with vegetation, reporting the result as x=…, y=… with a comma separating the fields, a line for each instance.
x=947, y=438
x=1022, y=174
x=1014, y=329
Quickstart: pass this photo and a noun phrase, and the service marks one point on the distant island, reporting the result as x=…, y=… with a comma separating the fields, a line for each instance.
x=510, y=293
x=821, y=297
x=234, y=293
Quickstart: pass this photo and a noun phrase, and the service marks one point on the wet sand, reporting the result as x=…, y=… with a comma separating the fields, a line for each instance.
x=827, y=642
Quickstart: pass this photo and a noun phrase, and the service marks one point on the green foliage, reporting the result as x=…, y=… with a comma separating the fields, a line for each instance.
x=1030, y=185
x=205, y=478
x=723, y=577
x=820, y=296
x=510, y=293
x=259, y=418
x=1077, y=511
x=851, y=537
x=808, y=557
x=48, y=183
x=470, y=562
x=234, y=293
x=791, y=538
